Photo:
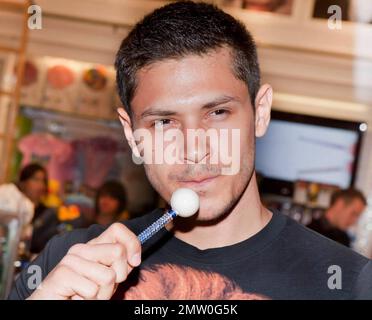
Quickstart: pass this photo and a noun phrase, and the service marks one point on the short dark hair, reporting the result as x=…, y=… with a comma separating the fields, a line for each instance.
x=179, y=29
x=348, y=195
x=113, y=189
x=29, y=172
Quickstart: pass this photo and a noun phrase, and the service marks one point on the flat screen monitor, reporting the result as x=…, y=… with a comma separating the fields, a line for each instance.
x=307, y=148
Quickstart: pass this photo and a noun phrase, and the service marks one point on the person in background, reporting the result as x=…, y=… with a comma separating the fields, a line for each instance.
x=33, y=182
x=344, y=211
x=110, y=203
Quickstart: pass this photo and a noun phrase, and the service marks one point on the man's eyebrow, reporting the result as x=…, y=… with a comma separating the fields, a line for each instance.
x=154, y=111
x=157, y=112
x=220, y=100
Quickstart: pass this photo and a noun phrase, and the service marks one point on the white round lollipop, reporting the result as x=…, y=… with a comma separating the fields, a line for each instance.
x=185, y=202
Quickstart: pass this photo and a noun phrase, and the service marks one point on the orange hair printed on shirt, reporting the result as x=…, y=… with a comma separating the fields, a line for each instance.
x=173, y=282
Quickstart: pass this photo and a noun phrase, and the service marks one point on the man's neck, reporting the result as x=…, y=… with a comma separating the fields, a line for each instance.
x=247, y=218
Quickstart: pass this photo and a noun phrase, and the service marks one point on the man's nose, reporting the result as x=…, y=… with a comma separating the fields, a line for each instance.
x=196, y=145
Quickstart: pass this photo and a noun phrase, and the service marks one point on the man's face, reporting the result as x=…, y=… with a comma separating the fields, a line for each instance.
x=35, y=187
x=197, y=92
x=349, y=213
x=108, y=205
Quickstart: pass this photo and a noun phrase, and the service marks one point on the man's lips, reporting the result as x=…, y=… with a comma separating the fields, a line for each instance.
x=201, y=181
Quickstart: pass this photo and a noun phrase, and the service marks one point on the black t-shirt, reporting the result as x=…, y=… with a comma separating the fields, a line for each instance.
x=284, y=260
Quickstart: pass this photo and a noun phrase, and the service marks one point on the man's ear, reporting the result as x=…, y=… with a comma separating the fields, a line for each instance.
x=128, y=132
x=264, y=100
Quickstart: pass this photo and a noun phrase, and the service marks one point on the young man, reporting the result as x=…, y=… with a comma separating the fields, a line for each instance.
x=346, y=208
x=191, y=66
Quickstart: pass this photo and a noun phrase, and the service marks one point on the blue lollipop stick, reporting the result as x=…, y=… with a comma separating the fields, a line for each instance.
x=156, y=226
x=184, y=203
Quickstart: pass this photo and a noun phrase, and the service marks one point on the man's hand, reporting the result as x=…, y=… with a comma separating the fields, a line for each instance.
x=93, y=270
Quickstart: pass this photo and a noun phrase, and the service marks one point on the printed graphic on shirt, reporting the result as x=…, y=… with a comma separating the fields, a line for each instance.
x=174, y=282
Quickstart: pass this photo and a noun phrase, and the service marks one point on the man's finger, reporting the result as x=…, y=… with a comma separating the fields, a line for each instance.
x=100, y=274
x=118, y=232
x=72, y=284
x=112, y=255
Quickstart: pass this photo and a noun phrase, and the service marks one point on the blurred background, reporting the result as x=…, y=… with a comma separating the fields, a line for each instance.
x=64, y=163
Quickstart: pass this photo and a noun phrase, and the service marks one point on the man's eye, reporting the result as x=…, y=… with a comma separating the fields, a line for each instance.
x=219, y=112
x=161, y=123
